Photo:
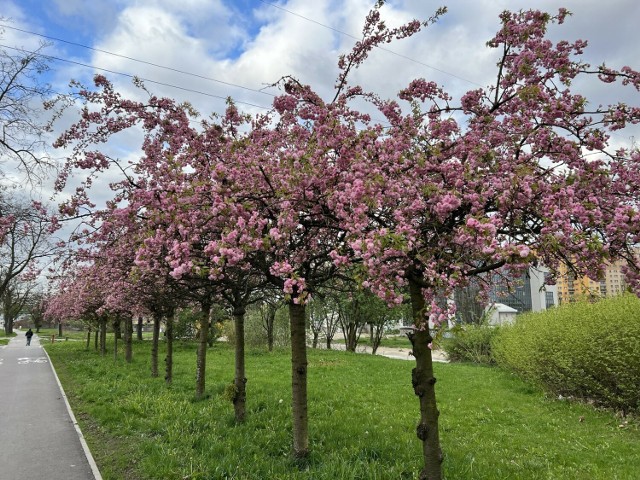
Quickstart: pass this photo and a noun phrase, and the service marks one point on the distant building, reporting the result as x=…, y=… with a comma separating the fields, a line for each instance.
x=571, y=288
x=528, y=293
x=500, y=314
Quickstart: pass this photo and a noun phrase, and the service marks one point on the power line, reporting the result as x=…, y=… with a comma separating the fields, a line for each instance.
x=378, y=47
x=144, y=62
x=156, y=82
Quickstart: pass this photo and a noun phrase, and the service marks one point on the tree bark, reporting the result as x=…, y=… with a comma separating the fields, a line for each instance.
x=240, y=380
x=423, y=382
x=154, y=344
x=297, y=319
x=8, y=326
x=103, y=336
x=116, y=337
x=128, y=339
x=270, y=337
x=139, y=328
x=350, y=337
x=117, y=328
x=377, y=331
x=270, y=321
x=203, y=344
x=168, y=360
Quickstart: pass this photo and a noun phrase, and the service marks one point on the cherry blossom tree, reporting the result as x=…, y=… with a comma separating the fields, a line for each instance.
x=519, y=172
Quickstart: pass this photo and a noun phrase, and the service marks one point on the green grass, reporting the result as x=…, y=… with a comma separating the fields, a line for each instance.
x=4, y=339
x=362, y=415
x=45, y=334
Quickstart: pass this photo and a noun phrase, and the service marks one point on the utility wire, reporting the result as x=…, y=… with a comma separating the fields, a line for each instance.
x=378, y=47
x=144, y=62
x=156, y=82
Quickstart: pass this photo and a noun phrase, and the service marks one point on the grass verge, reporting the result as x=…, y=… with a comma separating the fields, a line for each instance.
x=362, y=421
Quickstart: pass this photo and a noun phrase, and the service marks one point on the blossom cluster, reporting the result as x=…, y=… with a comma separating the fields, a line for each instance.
x=439, y=194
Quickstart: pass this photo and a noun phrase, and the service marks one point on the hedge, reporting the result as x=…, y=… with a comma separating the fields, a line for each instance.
x=588, y=351
x=470, y=343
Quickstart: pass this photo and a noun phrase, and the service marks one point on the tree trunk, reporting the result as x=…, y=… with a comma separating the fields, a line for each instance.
x=95, y=338
x=316, y=335
x=117, y=328
x=377, y=331
x=329, y=339
x=271, y=320
x=423, y=382
x=115, y=348
x=351, y=337
x=240, y=381
x=88, y=338
x=297, y=319
x=128, y=339
x=116, y=337
x=154, y=344
x=139, y=328
x=60, y=329
x=103, y=337
x=168, y=360
x=203, y=344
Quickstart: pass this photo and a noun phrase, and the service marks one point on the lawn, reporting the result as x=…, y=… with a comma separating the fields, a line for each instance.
x=4, y=339
x=362, y=421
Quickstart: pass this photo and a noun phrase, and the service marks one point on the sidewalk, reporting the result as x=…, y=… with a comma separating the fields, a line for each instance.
x=39, y=438
x=397, y=353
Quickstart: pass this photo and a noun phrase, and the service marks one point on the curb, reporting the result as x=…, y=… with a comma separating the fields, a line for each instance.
x=83, y=442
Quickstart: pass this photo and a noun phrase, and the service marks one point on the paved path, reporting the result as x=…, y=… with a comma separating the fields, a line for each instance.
x=397, y=353
x=39, y=438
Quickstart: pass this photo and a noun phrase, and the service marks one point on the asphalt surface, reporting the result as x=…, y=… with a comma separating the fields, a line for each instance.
x=39, y=438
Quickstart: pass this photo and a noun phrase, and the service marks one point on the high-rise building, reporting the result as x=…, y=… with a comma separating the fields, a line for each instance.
x=571, y=288
x=527, y=293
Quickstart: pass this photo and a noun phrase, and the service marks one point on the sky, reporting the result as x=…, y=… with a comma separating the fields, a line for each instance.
x=204, y=51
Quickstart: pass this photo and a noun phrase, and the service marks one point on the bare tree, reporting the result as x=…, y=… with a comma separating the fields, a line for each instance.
x=25, y=240
x=323, y=319
x=352, y=314
x=24, y=98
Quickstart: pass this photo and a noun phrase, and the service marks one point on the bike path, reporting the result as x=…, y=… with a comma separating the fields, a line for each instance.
x=39, y=437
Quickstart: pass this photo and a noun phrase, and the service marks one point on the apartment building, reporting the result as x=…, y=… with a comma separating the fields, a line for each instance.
x=571, y=288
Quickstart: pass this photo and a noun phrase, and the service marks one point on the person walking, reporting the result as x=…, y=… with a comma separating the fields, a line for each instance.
x=29, y=334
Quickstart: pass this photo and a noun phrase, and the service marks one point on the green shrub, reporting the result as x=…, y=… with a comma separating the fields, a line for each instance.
x=589, y=351
x=470, y=343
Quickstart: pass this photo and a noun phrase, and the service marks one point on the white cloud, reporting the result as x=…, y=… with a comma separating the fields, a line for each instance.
x=227, y=41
